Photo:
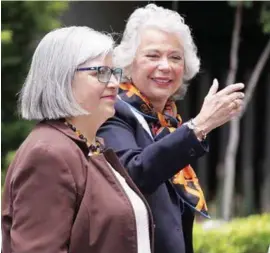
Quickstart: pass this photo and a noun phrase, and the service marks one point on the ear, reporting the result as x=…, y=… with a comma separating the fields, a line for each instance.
x=127, y=73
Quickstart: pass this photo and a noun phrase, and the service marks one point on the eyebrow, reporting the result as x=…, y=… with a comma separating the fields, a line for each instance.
x=158, y=51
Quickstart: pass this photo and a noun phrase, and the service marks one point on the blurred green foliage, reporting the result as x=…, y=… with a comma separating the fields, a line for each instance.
x=247, y=4
x=264, y=13
x=265, y=17
x=8, y=159
x=242, y=235
x=23, y=24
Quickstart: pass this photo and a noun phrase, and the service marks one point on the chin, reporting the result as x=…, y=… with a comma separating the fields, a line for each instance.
x=160, y=94
x=109, y=112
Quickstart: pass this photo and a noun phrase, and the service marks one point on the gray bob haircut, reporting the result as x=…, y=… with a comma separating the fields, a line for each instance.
x=47, y=91
x=152, y=16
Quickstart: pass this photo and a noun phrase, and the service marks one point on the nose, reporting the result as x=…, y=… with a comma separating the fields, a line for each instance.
x=163, y=64
x=113, y=83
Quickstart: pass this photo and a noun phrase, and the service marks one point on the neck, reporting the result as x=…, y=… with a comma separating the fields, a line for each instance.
x=86, y=125
x=158, y=106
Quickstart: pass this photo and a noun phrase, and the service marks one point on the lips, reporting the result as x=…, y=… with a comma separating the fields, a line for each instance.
x=113, y=96
x=161, y=80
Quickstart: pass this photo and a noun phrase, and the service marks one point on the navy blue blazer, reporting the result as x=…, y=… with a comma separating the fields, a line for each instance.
x=151, y=164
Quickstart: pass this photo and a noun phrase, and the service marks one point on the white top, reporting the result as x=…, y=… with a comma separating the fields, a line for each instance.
x=141, y=215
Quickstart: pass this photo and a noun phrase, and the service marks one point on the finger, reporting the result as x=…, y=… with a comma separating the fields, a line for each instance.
x=236, y=113
x=236, y=104
x=235, y=95
x=233, y=106
x=214, y=88
x=239, y=102
x=231, y=88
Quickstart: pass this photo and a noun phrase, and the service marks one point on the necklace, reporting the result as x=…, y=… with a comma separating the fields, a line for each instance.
x=94, y=149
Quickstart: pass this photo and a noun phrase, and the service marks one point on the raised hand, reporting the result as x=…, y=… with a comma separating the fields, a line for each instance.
x=219, y=107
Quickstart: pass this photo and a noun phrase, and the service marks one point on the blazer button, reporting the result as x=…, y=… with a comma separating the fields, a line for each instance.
x=192, y=152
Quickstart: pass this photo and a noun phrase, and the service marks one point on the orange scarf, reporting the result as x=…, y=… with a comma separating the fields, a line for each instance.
x=185, y=181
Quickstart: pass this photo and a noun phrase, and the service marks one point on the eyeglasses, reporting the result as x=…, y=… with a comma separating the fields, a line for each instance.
x=104, y=73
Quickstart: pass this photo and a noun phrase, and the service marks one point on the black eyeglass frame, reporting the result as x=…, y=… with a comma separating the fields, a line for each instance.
x=114, y=71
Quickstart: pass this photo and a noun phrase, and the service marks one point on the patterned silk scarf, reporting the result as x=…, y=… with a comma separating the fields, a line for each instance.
x=185, y=181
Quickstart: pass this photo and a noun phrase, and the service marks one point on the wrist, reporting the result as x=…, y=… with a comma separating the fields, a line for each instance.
x=198, y=129
x=201, y=124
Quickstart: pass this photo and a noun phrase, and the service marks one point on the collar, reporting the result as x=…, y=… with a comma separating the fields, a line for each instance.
x=60, y=126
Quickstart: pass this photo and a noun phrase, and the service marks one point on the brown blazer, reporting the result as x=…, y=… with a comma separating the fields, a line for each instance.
x=57, y=200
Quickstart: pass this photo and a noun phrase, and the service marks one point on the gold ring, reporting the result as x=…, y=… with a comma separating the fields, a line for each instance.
x=235, y=105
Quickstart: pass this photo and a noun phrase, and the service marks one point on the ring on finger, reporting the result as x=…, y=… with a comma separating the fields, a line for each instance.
x=235, y=105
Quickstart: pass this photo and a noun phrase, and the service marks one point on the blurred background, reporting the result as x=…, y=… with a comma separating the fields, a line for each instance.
x=234, y=46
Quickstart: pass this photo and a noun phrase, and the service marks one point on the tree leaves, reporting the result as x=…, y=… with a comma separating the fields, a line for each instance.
x=265, y=17
x=23, y=23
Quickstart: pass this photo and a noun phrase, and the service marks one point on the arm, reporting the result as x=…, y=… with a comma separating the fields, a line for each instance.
x=157, y=162
x=43, y=193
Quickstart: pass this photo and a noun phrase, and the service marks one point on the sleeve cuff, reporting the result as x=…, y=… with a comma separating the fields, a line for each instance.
x=198, y=148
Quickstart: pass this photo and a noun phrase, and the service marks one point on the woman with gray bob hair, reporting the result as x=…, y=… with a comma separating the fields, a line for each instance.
x=158, y=56
x=63, y=192
x=47, y=92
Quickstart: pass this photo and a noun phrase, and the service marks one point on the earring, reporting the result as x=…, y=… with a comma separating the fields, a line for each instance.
x=126, y=79
x=130, y=79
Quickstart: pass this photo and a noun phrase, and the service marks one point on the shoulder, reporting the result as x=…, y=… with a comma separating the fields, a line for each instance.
x=124, y=119
x=125, y=114
x=44, y=137
x=123, y=110
x=126, y=124
x=46, y=146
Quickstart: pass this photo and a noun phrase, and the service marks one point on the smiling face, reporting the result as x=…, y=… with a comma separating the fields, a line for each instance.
x=158, y=67
x=92, y=95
